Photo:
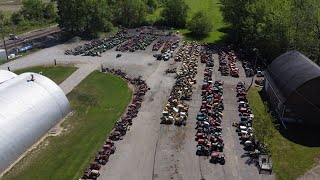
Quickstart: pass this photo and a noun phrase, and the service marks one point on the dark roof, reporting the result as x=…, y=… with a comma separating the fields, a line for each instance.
x=289, y=71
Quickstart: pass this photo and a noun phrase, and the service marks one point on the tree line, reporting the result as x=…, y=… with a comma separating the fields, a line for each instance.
x=275, y=26
x=32, y=13
x=93, y=16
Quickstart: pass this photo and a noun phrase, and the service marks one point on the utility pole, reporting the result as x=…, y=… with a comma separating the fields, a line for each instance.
x=14, y=38
x=254, y=68
x=3, y=38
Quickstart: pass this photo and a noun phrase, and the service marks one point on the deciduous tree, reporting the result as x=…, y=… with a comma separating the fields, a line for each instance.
x=85, y=16
x=32, y=9
x=175, y=13
x=129, y=13
x=200, y=24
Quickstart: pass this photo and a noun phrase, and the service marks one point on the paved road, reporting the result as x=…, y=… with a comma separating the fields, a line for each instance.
x=312, y=174
x=150, y=150
x=75, y=78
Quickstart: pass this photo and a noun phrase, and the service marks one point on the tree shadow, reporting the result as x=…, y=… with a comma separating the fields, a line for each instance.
x=195, y=37
x=303, y=134
x=226, y=38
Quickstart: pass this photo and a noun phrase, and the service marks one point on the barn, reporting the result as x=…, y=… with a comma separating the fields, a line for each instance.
x=292, y=86
x=30, y=105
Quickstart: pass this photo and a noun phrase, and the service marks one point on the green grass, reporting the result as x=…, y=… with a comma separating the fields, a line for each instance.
x=98, y=102
x=212, y=7
x=13, y=3
x=27, y=26
x=290, y=159
x=56, y=74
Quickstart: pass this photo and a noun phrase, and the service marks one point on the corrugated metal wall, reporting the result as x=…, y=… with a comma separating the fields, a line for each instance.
x=28, y=110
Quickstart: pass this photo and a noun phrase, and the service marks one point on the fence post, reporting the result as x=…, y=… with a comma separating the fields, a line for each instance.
x=9, y=68
x=55, y=62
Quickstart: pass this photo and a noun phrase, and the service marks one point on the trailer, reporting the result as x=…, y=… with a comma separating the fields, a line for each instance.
x=3, y=55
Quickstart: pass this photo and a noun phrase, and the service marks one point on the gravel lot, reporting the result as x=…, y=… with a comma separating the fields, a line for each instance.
x=150, y=150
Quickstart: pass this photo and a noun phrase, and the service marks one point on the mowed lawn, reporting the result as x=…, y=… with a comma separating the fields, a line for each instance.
x=56, y=73
x=98, y=102
x=290, y=159
x=212, y=7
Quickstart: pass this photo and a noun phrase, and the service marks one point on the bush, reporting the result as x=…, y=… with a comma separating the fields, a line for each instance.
x=16, y=18
x=200, y=24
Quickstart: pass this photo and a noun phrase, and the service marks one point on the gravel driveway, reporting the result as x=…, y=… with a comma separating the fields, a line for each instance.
x=150, y=150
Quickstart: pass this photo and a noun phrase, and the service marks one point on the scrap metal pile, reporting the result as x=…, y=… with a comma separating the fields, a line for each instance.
x=96, y=47
x=228, y=65
x=139, y=42
x=176, y=110
x=209, y=130
x=121, y=126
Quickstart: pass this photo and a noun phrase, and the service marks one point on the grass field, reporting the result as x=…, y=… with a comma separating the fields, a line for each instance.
x=290, y=159
x=56, y=74
x=96, y=110
x=212, y=7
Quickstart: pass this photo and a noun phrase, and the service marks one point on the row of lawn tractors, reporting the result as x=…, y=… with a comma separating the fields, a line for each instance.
x=206, y=56
x=209, y=130
x=157, y=45
x=167, y=50
x=151, y=30
x=184, y=51
x=96, y=47
x=256, y=150
x=121, y=126
x=248, y=68
x=244, y=126
x=173, y=70
x=176, y=110
x=170, y=45
x=228, y=65
x=139, y=42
